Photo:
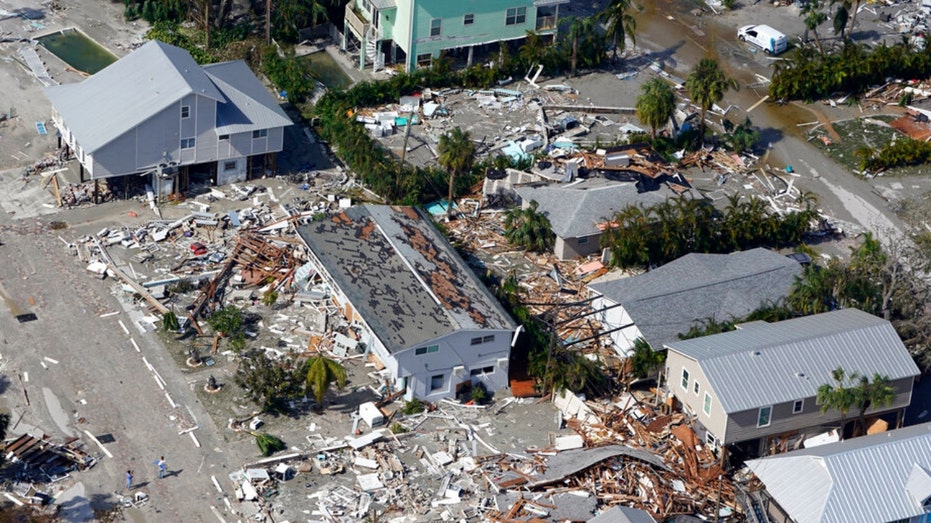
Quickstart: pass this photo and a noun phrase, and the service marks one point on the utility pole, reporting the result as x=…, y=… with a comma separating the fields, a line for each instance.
x=207, y=23
x=268, y=21
x=407, y=134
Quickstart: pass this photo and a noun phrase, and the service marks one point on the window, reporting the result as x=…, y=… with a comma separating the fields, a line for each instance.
x=764, y=417
x=427, y=350
x=711, y=440
x=187, y=143
x=696, y=388
x=583, y=241
x=436, y=383
x=468, y=19
x=685, y=379
x=798, y=406
x=435, y=26
x=261, y=133
x=224, y=137
x=482, y=371
x=482, y=339
x=516, y=16
x=424, y=60
x=229, y=166
x=185, y=111
x=706, y=407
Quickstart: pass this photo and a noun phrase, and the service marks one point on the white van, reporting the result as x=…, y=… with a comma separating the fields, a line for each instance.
x=765, y=37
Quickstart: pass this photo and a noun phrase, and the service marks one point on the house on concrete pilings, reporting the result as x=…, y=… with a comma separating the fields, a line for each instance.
x=414, y=32
x=418, y=308
x=755, y=388
x=157, y=111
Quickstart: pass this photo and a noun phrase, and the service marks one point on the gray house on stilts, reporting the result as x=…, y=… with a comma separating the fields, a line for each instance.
x=157, y=110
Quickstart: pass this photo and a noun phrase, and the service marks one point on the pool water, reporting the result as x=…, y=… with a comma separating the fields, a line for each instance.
x=327, y=71
x=77, y=50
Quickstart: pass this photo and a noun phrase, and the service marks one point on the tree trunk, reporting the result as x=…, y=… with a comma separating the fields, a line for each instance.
x=818, y=41
x=575, y=50
x=853, y=18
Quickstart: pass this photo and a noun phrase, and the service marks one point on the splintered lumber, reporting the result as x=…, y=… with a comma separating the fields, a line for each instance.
x=142, y=291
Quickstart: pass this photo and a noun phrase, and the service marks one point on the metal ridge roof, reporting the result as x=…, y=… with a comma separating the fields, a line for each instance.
x=877, y=478
x=768, y=363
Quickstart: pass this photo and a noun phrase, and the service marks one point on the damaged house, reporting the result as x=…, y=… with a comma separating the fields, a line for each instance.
x=661, y=304
x=578, y=212
x=756, y=387
x=418, y=307
x=157, y=112
x=881, y=478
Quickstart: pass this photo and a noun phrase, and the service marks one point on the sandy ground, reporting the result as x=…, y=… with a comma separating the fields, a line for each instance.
x=121, y=397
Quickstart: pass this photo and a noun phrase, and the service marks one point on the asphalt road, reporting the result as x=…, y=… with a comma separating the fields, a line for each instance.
x=680, y=40
x=83, y=374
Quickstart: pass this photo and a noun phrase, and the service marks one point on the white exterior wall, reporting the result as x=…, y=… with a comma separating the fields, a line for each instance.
x=612, y=319
x=234, y=175
x=457, y=361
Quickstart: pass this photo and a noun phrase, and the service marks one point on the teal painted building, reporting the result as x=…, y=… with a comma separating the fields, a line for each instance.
x=414, y=32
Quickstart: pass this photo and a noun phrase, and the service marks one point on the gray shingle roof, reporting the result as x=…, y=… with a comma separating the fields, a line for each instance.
x=577, y=211
x=670, y=299
x=768, y=363
x=249, y=106
x=862, y=480
x=401, y=275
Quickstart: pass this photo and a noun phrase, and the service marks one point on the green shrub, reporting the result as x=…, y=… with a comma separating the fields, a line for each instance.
x=269, y=444
x=397, y=428
x=170, y=322
x=479, y=394
x=413, y=406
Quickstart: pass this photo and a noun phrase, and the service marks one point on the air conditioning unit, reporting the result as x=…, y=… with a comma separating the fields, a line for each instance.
x=458, y=370
x=502, y=363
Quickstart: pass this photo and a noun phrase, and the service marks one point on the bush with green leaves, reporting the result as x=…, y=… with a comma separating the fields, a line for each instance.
x=269, y=444
x=170, y=322
x=397, y=428
x=479, y=394
x=414, y=406
x=269, y=383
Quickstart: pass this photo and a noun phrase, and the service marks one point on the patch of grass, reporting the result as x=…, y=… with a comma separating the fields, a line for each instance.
x=856, y=133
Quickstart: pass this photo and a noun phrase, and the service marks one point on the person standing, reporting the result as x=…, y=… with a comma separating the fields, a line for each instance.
x=129, y=480
x=162, y=467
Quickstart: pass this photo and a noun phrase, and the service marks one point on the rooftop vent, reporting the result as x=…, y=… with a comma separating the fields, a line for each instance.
x=799, y=374
x=755, y=353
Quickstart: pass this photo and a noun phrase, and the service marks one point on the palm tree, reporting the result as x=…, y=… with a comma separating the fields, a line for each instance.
x=838, y=396
x=656, y=104
x=876, y=393
x=579, y=28
x=456, y=154
x=620, y=24
x=321, y=373
x=529, y=228
x=643, y=360
x=707, y=84
x=532, y=50
x=840, y=20
x=814, y=17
